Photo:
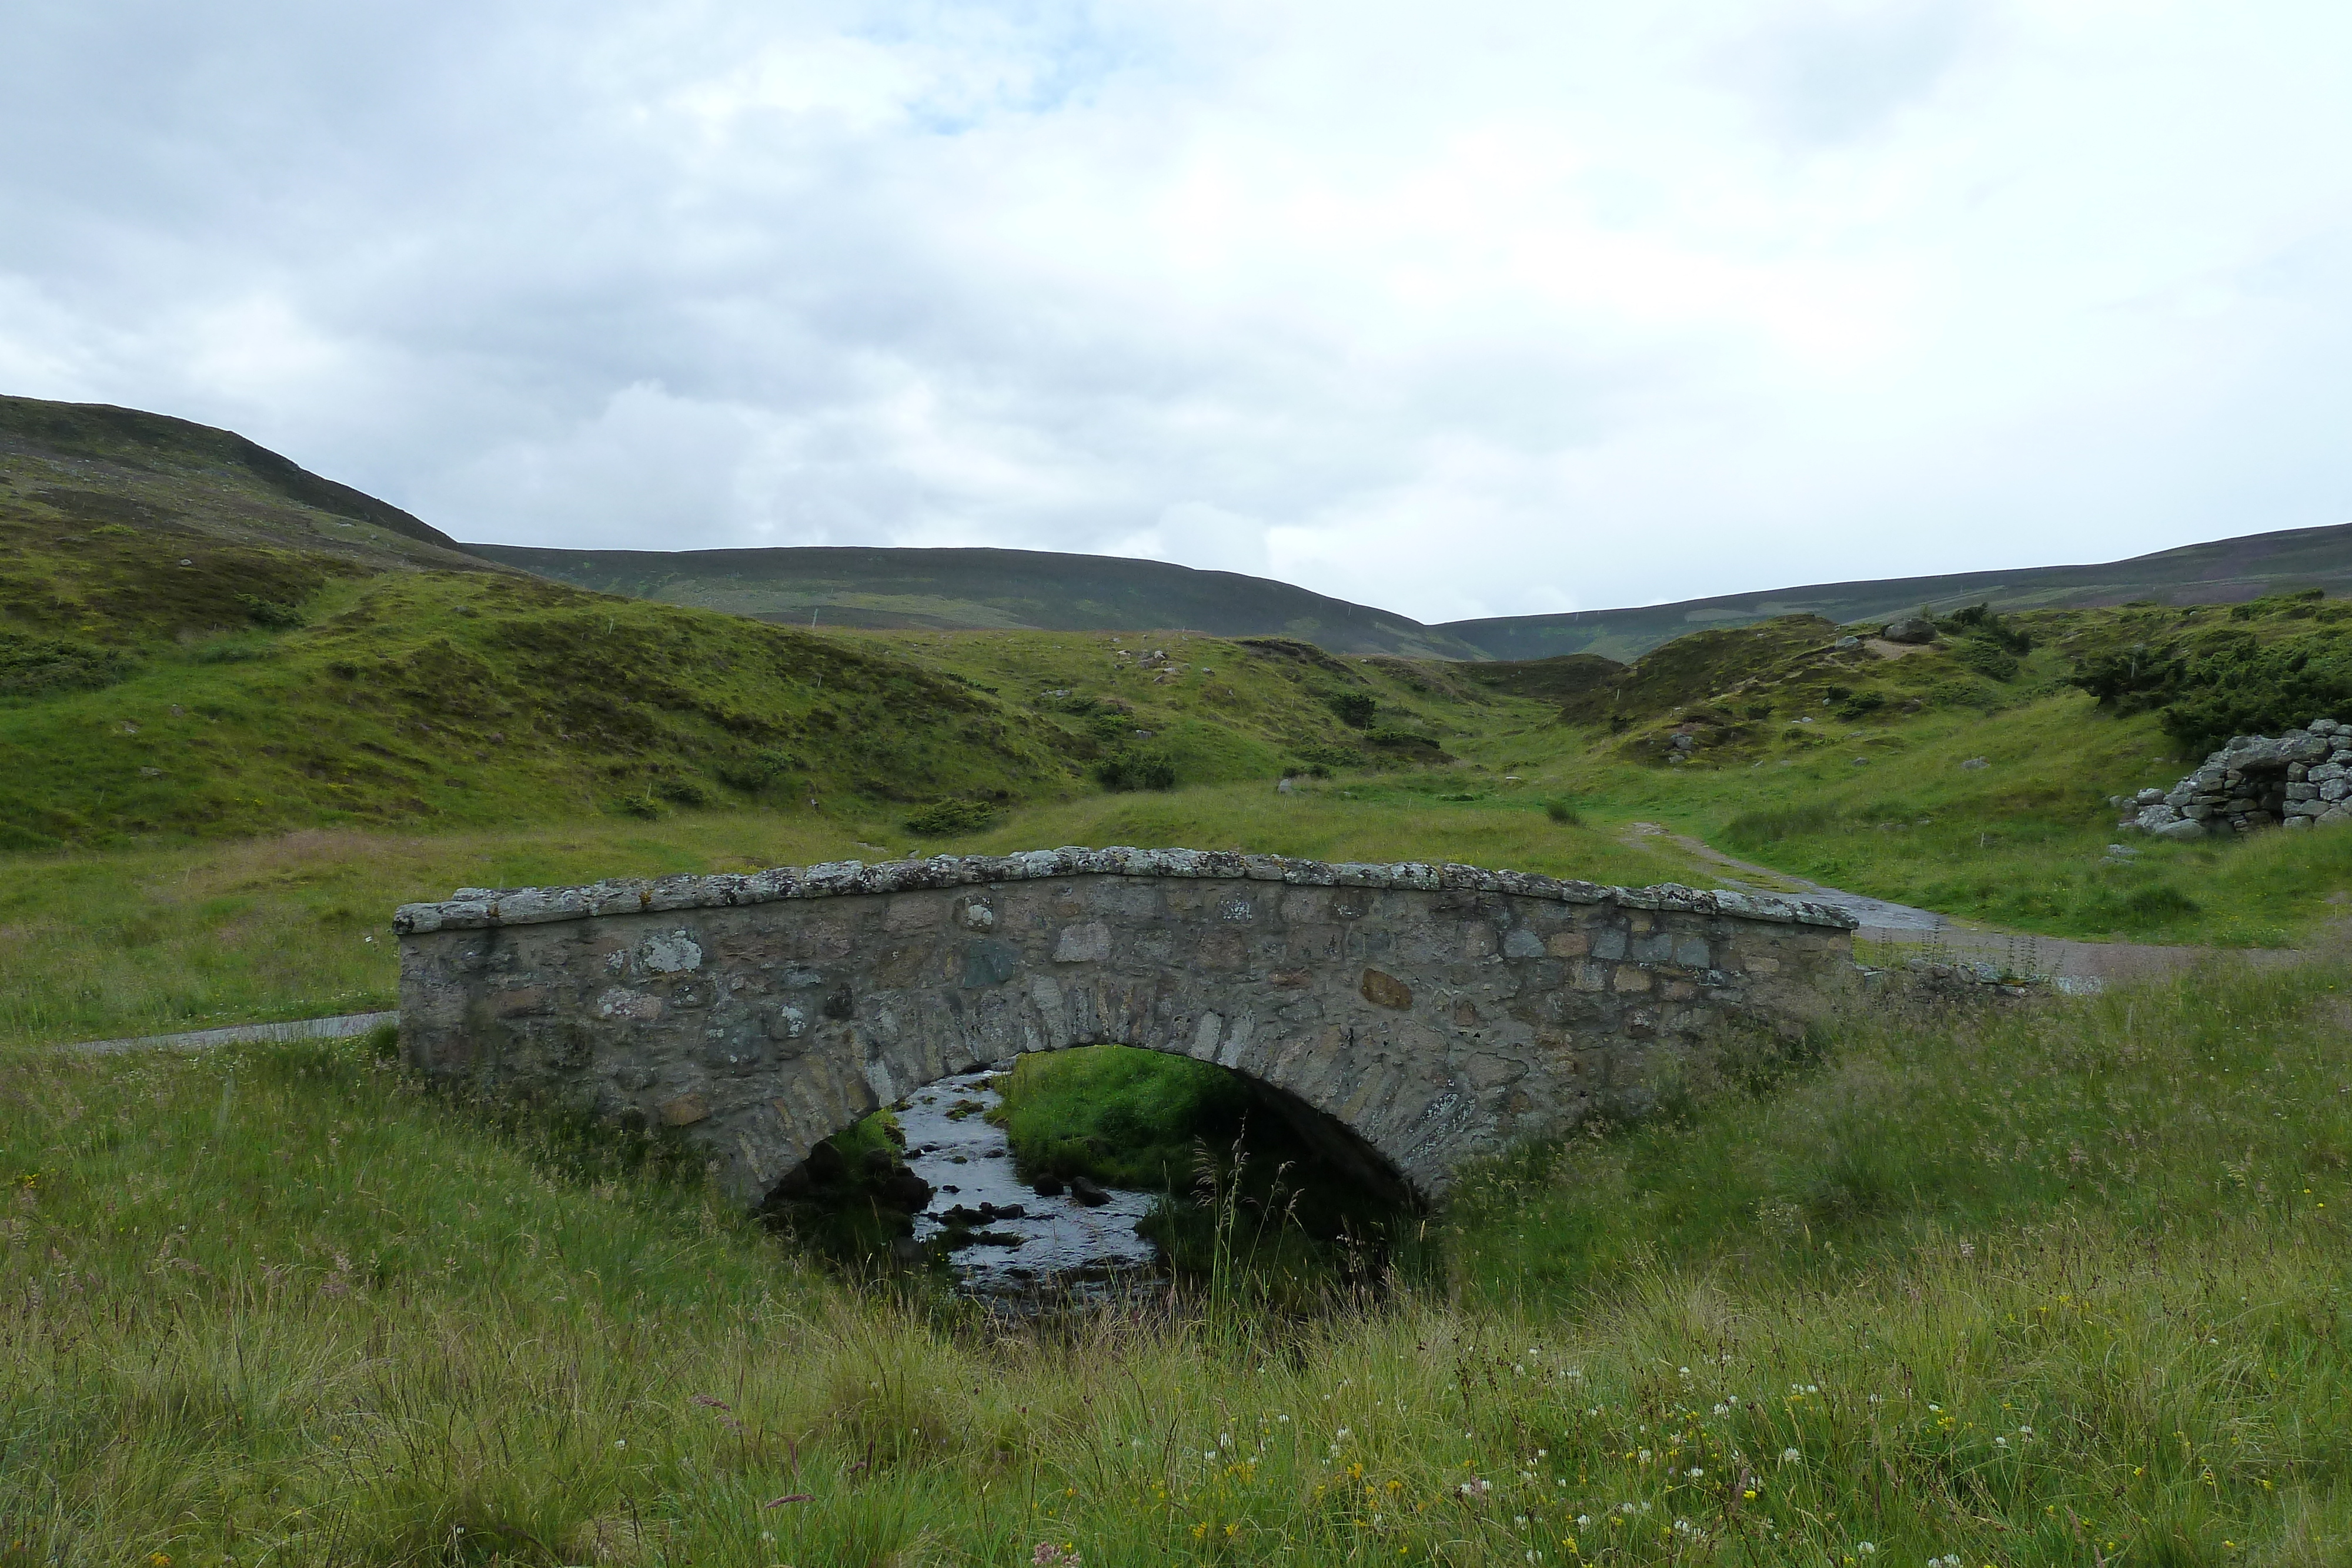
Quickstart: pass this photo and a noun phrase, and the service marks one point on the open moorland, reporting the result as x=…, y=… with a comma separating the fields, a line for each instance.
x=2059, y=1283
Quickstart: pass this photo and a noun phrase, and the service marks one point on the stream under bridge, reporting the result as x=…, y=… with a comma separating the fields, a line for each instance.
x=1407, y=1017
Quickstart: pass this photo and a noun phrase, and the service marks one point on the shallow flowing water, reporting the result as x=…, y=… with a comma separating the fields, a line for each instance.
x=1056, y=1246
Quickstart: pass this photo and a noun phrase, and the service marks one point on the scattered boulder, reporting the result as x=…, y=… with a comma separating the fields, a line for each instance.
x=906, y=1190
x=1088, y=1192
x=1846, y=644
x=1910, y=629
x=1047, y=1186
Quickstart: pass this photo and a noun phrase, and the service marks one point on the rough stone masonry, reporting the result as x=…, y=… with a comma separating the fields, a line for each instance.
x=2302, y=778
x=1432, y=1012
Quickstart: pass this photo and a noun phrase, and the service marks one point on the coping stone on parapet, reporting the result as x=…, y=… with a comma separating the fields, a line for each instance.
x=474, y=908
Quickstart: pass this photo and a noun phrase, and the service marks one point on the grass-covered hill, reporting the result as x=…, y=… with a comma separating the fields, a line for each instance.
x=83, y=473
x=1970, y=775
x=2222, y=571
x=198, y=639
x=968, y=590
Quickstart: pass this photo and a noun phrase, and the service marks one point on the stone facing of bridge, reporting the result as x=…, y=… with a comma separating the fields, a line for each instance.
x=1435, y=1012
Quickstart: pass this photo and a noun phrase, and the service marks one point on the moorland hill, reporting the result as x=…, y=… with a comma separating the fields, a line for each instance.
x=984, y=590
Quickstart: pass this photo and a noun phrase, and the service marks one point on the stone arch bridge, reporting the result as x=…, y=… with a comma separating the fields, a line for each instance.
x=1430, y=1012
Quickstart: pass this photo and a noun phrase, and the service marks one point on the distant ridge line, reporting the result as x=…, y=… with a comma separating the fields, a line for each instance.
x=976, y=588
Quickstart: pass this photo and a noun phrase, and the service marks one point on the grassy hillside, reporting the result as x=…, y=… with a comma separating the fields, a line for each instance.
x=984, y=588
x=2223, y=571
x=1963, y=776
x=215, y=661
x=88, y=471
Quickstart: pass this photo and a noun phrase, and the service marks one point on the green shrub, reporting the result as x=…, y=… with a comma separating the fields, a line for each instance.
x=270, y=614
x=30, y=666
x=755, y=773
x=1129, y=769
x=1862, y=704
x=2226, y=683
x=1564, y=813
x=1979, y=621
x=1354, y=708
x=1986, y=657
x=951, y=819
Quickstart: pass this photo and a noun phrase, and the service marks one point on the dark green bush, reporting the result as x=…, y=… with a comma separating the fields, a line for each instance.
x=1979, y=620
x=1354, y=708
x=1862, y=704
x=951, y=819
x=1986, y=657
x=2227, y=683
x=30, y=666
x=1562, y=812
x=760, y=772
x=270, y=614
x=1131, y=768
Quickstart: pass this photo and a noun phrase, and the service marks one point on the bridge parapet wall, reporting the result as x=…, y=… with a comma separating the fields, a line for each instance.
x=1435, y=1012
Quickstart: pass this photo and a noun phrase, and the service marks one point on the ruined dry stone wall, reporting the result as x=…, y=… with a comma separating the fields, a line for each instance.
x=1431, y=1013
x=2302, y=778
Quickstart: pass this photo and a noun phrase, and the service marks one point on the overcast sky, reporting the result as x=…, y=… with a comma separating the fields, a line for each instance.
x=1464, y=309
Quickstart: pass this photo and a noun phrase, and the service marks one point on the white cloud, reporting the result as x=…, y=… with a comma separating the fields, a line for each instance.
x=1500, y=308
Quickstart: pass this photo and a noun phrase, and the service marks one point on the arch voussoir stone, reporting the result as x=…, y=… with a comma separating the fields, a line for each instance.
x=1434, y=1012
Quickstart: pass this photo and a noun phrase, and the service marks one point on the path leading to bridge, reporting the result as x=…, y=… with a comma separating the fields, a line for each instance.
x=1891, y=933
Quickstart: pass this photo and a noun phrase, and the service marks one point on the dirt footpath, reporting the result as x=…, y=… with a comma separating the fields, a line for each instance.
x=1892, y=933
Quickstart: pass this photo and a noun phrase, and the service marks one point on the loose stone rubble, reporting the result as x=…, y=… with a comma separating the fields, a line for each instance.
x=2299, y=779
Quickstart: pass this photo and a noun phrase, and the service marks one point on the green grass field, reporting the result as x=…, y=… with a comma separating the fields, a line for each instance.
x=2064, y=1286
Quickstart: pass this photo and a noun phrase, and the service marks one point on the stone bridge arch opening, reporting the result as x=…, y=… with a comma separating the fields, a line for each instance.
x=1431, y=1013
x=1093, y=1125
